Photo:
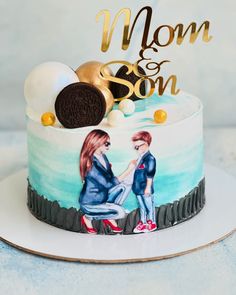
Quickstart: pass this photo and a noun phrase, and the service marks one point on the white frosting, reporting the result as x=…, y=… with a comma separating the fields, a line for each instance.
x=183, y=125
x=176, y=144
x=182, y=107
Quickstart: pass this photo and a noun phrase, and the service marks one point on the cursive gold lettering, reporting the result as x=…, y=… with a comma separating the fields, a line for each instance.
x=138, y=85
x=162, y=86
x=171, y=35
x=107, y=35
x=110, y=78
x=194, y=32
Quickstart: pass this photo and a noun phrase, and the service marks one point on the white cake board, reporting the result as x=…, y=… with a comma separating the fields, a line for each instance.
x=215, y=222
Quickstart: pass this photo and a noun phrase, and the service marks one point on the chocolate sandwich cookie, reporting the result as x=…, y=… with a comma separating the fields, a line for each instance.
x=120, y=91
x=80, y=105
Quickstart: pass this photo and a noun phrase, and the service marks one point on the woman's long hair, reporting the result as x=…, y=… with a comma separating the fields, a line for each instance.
x=92, y=142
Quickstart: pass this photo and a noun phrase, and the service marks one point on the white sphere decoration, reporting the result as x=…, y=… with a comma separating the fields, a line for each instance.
x=127, y=106
x=115, y=118
x=32, y=114
x=44, y=83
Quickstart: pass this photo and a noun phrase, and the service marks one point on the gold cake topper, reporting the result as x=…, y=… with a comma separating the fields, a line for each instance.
x=153, y=67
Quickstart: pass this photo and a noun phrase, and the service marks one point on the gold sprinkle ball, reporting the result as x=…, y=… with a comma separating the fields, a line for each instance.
x=160, y=116
x=48, y=119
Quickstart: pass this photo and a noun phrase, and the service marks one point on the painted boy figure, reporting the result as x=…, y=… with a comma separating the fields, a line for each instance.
x=143, y=182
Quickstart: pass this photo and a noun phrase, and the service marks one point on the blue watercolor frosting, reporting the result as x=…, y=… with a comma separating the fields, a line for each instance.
x=54, y=172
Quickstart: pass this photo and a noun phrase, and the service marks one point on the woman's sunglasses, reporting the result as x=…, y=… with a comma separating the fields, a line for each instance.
x=137, y=147
x=107, y=144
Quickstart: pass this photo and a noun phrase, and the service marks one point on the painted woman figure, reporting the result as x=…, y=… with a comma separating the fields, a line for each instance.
x=102, y=194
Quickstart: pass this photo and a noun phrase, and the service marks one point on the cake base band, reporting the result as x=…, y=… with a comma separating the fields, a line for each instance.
x=70, y=219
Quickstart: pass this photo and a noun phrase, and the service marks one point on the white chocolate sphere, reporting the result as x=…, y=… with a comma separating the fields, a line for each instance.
x=127, y=106
x=32, y=114
x=115, y=118
x=44, y=83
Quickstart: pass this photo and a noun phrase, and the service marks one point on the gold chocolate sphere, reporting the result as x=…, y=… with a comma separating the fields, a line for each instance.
x=48, y=119
x=90, y=73
x=160, y=116
x=109, y=98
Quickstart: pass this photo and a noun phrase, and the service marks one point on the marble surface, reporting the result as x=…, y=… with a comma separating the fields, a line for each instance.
x=211, y=270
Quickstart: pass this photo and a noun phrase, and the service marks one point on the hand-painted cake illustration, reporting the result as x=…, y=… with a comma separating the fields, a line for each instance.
x=108, y=154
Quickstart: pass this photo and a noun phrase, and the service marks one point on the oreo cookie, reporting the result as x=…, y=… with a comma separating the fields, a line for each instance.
x=120, y=91
x=80, y=105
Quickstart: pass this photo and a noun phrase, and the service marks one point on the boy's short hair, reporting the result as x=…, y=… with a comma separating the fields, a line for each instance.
x=144, y=136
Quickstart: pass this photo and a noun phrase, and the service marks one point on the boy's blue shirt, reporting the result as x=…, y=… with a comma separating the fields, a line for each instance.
x=145, y=169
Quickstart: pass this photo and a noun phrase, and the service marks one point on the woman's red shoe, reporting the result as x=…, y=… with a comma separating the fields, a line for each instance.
x=115, y=229
x=90, y=230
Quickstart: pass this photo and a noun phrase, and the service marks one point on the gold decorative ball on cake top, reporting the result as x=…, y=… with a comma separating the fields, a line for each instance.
x=48, y=119
x=90, y=73
x=160, y=116
x=108, y=97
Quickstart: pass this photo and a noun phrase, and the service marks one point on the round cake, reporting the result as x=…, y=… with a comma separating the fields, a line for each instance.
x=126, y=157
x=115, y=147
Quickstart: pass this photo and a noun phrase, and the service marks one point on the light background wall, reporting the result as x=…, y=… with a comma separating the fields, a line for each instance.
x=33, y=31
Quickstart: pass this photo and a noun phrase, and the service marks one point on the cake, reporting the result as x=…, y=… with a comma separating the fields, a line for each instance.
x=105, y=159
